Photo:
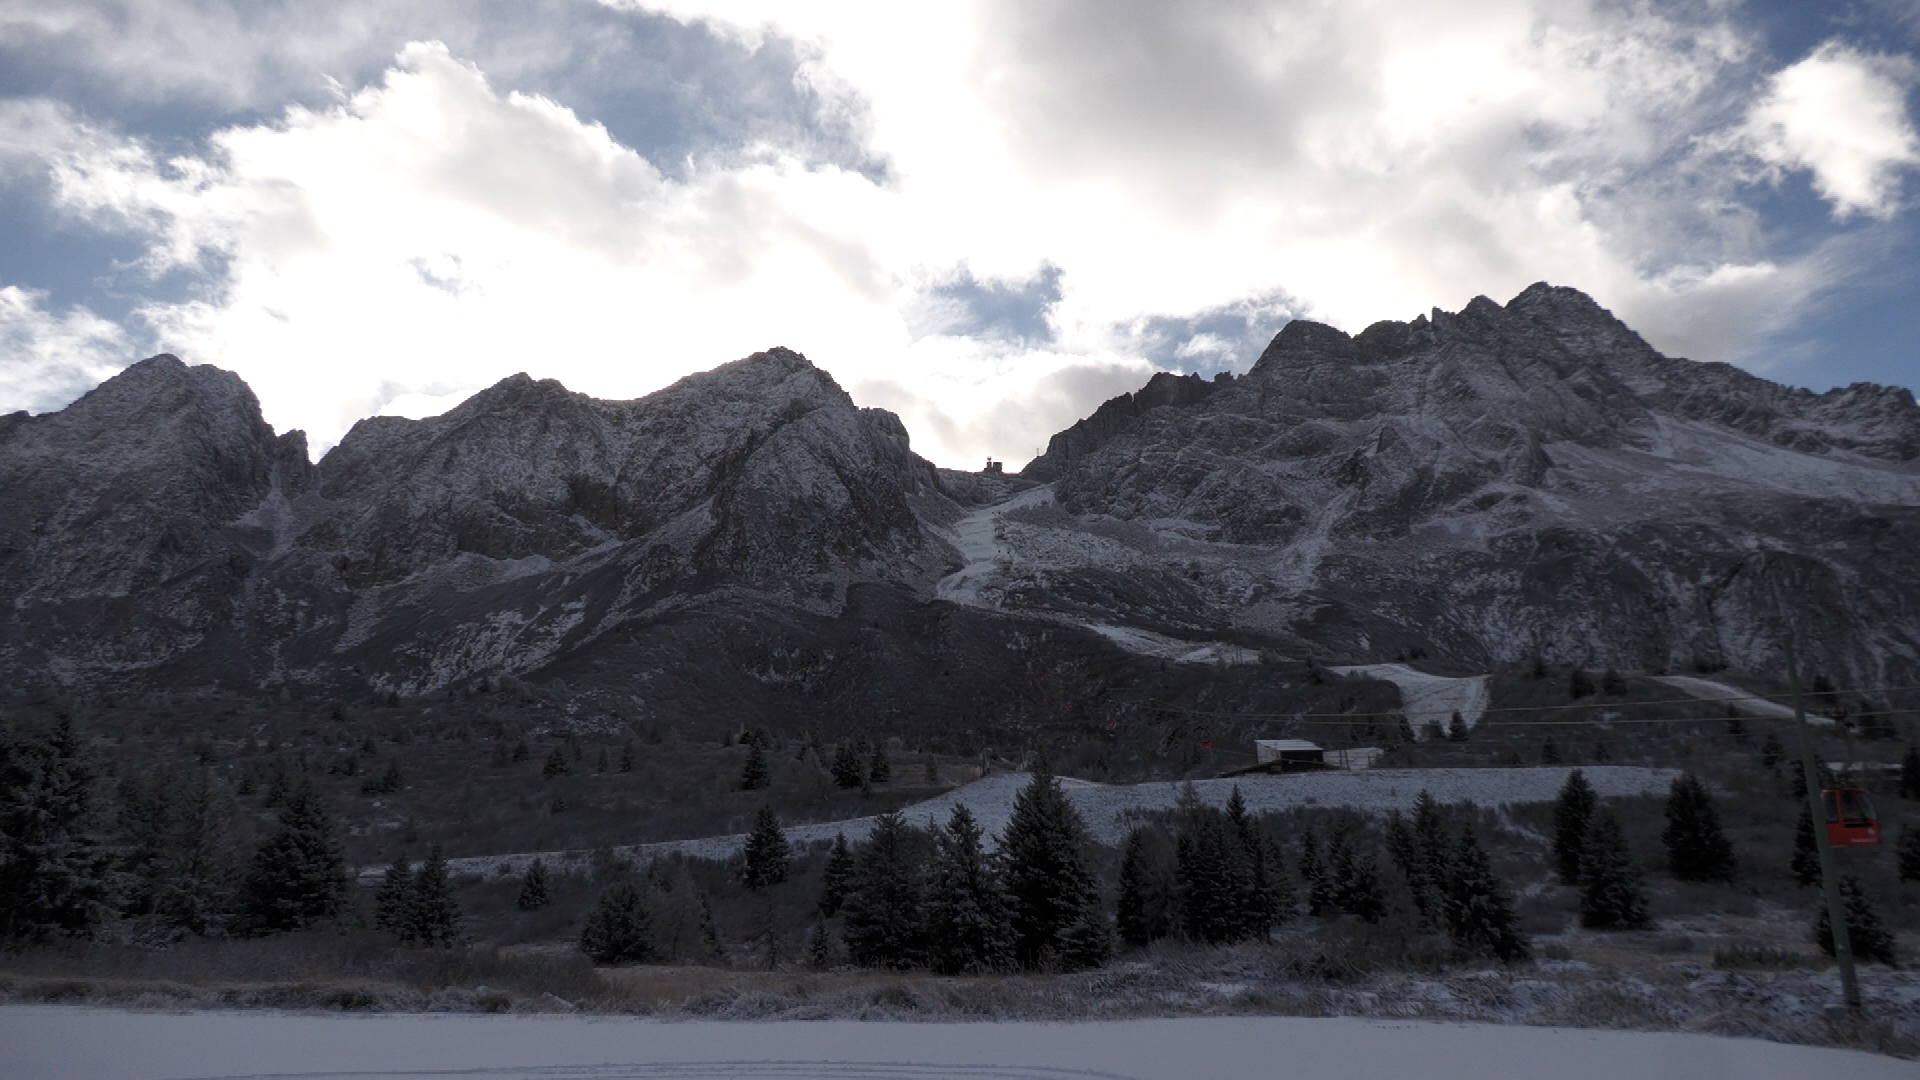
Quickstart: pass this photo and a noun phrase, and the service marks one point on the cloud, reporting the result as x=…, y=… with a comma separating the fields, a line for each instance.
x=1840, y=114
x=46, y=358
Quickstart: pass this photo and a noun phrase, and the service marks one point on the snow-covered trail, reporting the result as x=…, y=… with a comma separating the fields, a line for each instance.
x=1742, y=700
x=1429, y=699
x=976, y=535
x=1110, y=810
x=65, y=1042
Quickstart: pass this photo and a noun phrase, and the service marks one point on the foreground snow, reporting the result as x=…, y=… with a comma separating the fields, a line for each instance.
x=69, y=1043
x=1110, y=810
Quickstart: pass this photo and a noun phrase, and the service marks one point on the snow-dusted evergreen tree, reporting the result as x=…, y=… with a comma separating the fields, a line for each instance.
x=883, y=912
x=1610, y=894
x=1420, y=851
x=1149, y=902
x=435, y=915
x=1355, y=876
x=1313, y=872
x=879, y=766
x=620, y=928
x=393, y=903
x=1572, y=813
x=837, y=877
x=1479, y=910
x=848, y=770
x=767, y=854
x=1260, y=903
x=55, y=872
x=756, y=774
x=1805, y=862
x=967, y=927
x=819, y=946
x=1697, y=849
x=1056, y=912
x=180, y=858
x=1907, y=854
x=299, y=875
x=533, y=887
x=1868, y=936
x=1215, y=878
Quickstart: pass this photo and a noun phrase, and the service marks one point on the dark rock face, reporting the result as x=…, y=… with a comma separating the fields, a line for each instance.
x=1506, y=481
x=1485, y=486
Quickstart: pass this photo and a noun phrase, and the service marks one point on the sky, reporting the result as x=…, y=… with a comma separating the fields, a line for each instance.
x=985, y=215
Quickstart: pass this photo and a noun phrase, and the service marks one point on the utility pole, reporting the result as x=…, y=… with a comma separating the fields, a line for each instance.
x=1829, y=873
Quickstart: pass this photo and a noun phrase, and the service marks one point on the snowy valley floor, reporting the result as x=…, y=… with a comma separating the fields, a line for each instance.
x=50, y=1043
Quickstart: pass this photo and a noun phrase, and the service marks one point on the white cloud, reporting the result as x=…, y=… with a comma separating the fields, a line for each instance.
x=1842, y=114
x=1161, y=167
x=47, y=358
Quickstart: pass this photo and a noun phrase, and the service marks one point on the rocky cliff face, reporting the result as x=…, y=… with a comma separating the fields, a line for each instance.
x=1508, y=481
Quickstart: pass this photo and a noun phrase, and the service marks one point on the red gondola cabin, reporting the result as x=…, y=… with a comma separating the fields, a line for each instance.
x=1851, y=821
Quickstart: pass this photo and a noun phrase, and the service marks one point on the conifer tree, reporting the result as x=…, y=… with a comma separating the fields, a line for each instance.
x=620, y=928
x=1579, y=684
x=1805, y=863
x=1260, y=903
x=1611, y=684
x=55, y=873
x=1215, y=879
x=1866, y=934
x=436, y=916
x=299, y=875
x=819, y=947
x=1610, y=895
x=1772, y=753
x=533, y=887
x=179, y=860
x=1149, y=903
x=1055, y=902
x=879, y=766
x=967, y=926
x=1549, y=753
x=1697, y=849
x=1357, y=889
x=883, y=916
x=756, y=775
x=1314, y=874
x=837, y=878
x=393, y=904
x=556, y=764
x=1480, y=915
x=1910, y=773
x=1572, y=814
x=1457, y=728
x=848, y=771
x=767, y=853
x=626, y=756
x=1907, y=854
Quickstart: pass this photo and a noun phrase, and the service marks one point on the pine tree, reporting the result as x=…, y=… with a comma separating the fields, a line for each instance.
x=626, y=756
x=393, y=904
x=883, y=911
x=1549, y=753
x=1910, y=773
x=1149, y=905
x=967, y=926
x=1579, y=684
x=1052, y=890
x=1419, y=852
x=1457, y=728
x=1611, y=684
x=767, y=853
x=436, y=916
x=1480, y=915
x=179, y=859
x=1610, y=896
x=299, y=875
x=1572, y=813
x=1907, y=854
x=556, y=765
x=55, y=873
x=756, y=774
x=1697, y=849
x=620, y=928
x=837, y=878
x=819, y=947
x=1314, y=874
x=386, y=783
x=1772, y=753
x=1866, y=934
x=1805, y=863
x=521, y=752
x=533, y=887
x=848, y=771
x=1215, y=878
x=1357, y=889
x=879, y=766
x=1260, y=903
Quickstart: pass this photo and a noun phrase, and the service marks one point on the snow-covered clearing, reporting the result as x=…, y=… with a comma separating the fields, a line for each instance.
x=1111, y=810
x=1744, y=701
x=976, y=535
x=77, y=1043
x=1429, y=699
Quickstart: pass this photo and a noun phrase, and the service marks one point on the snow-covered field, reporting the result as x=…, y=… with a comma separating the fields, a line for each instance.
x=1709, y=690
x=77, y=1043
x=1429, y=699
x=1110, y=810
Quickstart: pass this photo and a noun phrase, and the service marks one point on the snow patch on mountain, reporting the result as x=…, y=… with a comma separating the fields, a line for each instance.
x=1429, y=699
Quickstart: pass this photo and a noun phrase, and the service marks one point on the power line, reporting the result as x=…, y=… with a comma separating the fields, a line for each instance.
x=1301, y=716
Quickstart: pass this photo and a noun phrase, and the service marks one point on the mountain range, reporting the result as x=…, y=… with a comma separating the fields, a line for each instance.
x=1509, y=483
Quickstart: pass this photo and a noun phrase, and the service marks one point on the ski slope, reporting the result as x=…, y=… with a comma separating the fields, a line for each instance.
x=1429, y=699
